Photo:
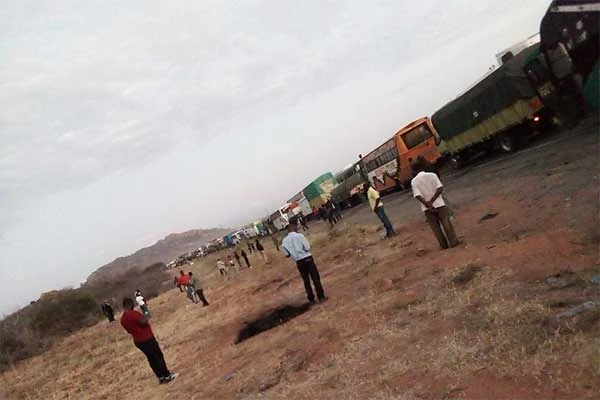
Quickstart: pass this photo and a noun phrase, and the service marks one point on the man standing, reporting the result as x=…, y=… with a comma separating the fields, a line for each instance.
x=261, y=250
x=195, y=290
x=427, y=188
x=296, y=246
x=237, y=258
x=303, y=223
x=142, y=303
x=138, y=326
x=377, y=207
x=108, y=311
x=221, y=267
x=183, y=281
x=245, y=257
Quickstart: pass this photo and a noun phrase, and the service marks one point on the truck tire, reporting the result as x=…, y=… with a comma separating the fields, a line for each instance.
x=456, y=161
x=506, y=143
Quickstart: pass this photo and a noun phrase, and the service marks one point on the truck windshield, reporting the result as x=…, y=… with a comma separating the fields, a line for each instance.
x=416, y=136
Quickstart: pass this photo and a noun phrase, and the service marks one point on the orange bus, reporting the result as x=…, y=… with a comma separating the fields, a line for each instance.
x=388, y=166
x=416, y=139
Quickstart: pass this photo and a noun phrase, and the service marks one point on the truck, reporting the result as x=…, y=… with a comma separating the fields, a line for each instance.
x=570, y=48
x=344, y=192
x=318, y=191
x=496, y=113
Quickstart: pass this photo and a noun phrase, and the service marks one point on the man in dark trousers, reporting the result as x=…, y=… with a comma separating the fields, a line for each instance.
x=138, y=326
x=108, y=311
x=245, y=257
x=296, y=246
x=427, y=188
x=195, y=290
x=377, y=207
x=237, y=258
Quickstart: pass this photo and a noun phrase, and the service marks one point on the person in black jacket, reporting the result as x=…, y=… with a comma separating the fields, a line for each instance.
x=108, y=311
x=261, y=250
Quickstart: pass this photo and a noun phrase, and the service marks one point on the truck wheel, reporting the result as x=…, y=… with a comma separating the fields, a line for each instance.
x=456, y=162
x=507, y=143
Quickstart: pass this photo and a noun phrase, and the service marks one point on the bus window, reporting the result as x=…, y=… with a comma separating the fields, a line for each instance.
x=416, y=136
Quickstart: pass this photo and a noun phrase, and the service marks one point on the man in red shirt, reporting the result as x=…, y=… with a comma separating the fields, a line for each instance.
x=138, y=326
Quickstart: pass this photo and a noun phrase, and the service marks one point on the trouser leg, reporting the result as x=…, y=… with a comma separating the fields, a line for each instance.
x=200, y=294
x=389, y=229
x=434, y=223
x=315, y=277
x=155, y=357
x=304, y=273
x=444, y=216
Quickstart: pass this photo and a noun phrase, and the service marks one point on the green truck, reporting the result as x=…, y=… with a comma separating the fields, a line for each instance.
x=494, y=114
x=345, y=192
x=319, y=190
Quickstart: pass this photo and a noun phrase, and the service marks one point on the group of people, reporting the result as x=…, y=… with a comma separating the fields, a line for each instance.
x=225, y=267
x=427, y=190
x=328, y=212
x=191, y=286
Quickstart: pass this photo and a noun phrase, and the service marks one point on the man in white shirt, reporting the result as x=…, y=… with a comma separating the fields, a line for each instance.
x=295, y=246
x=427, y=188
x=377, y=207
x=139, y=299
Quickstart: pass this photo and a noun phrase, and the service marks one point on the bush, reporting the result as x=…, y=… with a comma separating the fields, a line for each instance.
x=65, y=313
x=34, y=328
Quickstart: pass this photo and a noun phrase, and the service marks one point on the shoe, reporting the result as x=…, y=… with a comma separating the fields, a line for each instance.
x=323, y=299
x=168, y=379
x=311, y=302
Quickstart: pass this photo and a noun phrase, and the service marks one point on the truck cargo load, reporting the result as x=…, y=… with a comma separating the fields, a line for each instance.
x=502, y=100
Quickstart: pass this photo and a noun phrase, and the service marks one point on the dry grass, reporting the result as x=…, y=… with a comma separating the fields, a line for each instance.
x=398, y=325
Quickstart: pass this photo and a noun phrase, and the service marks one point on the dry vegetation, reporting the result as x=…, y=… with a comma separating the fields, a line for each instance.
x=404, y=320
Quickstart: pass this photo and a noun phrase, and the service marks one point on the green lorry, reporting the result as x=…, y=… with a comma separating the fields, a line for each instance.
x=344, y=192
x=494, y=114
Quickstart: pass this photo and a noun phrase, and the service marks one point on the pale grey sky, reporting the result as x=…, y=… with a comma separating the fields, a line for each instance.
x=123, y=121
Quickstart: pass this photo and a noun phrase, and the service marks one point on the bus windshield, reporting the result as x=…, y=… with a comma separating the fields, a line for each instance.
x=416, y=136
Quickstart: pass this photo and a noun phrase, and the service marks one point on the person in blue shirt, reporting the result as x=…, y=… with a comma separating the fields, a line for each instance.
x=295, y=246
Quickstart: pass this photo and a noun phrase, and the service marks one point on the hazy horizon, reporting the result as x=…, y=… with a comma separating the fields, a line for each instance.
x=124, y=122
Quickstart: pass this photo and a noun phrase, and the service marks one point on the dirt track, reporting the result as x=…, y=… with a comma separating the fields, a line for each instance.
x=404, y=320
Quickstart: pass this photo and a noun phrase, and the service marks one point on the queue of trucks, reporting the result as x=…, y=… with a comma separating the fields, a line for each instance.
x=554, y=81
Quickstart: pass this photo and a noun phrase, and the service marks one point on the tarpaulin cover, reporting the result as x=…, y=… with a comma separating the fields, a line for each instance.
x=497, y=91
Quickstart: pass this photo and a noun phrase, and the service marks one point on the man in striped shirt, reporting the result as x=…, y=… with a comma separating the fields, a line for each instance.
x=295, y=246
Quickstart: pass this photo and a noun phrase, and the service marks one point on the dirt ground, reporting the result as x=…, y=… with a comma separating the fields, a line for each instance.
x=404, y=319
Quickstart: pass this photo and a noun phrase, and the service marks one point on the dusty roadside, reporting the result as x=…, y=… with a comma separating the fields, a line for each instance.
x=404, y=320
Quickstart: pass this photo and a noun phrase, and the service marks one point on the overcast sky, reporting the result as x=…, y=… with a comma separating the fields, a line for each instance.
x=123, y=121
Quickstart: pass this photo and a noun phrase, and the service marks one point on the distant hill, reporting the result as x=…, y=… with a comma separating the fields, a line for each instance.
x=164, y=251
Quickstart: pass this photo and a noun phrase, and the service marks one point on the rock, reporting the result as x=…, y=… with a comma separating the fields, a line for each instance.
x=573, y=311
x=556, y=283
x=229, y=377
x=466, y=275
x=421, y=252
x=595, y=279
x=385, y=284
x=491, y=246
x=407, y=243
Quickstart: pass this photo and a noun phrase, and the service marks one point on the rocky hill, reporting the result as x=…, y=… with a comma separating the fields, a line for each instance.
x=162, y=251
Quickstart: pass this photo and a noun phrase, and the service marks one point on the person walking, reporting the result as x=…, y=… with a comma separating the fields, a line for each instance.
x=108, y=311
x=138, y=326
x=183, y=281
x=142, y=303
x=427, y=188
x=237, y=258
x=303, y=223
x=295, y=246
x=195, y=287
x=261, y=250
x=249, y=247
x=275, y=241
x=221, y=267
x=176, y=283
x=231, y=263
x=377, y=207
x=245, y=257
